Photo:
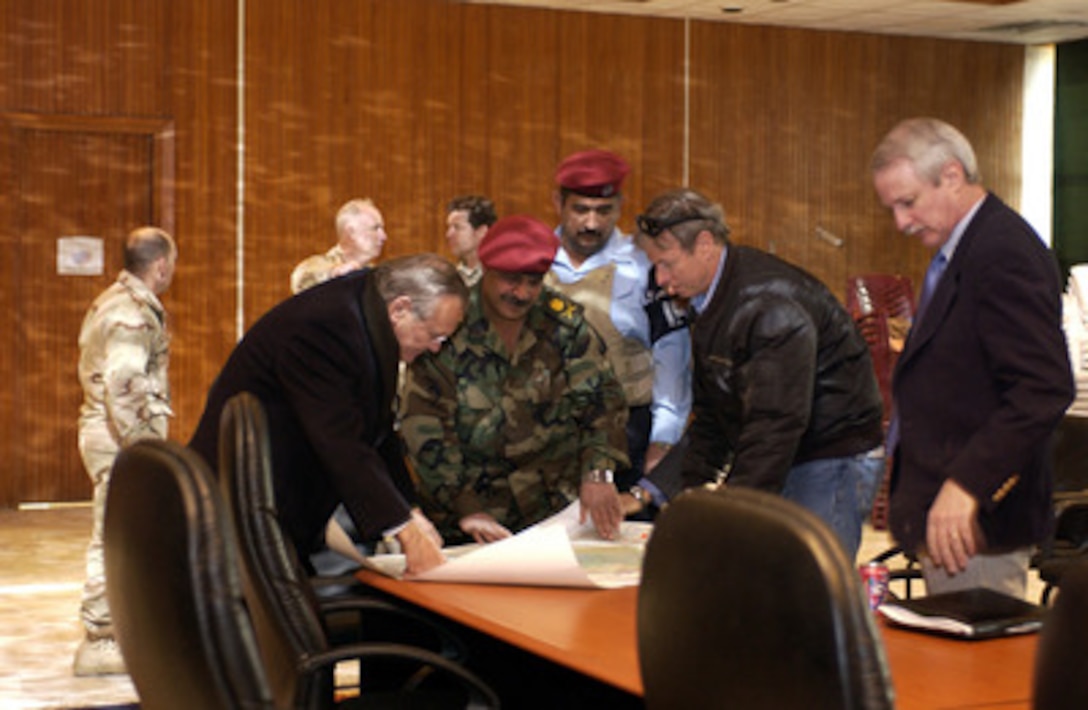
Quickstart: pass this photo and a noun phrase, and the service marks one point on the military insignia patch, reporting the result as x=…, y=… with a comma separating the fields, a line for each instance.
x=562, y=308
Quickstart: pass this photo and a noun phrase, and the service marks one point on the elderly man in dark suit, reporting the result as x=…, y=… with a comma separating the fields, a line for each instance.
x=984, y=375
x=324, y=365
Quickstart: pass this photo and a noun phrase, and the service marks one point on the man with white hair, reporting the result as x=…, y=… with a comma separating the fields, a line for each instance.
x=984, y=375
x=360, y=236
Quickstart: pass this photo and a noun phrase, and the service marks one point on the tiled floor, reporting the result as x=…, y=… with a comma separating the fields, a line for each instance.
x=41, y=572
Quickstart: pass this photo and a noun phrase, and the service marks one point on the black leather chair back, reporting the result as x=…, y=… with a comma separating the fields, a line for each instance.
x=282, y=602
x=1067, y=544
x=1061, y=662
x=289, y=621
x=748, y=601
x=173, y=585
x=1070, y=455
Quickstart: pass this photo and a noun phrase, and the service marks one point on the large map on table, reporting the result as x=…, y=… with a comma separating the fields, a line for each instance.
x=559, y=552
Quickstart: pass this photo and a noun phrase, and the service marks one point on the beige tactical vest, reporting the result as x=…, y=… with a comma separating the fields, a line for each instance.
x=632, y=361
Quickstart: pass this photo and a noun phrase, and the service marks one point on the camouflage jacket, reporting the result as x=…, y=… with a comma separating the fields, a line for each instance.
x=316, y=269
x=123, y=361
x=511, y=434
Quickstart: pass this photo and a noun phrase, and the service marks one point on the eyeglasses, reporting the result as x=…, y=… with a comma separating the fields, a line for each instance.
x=653, y=226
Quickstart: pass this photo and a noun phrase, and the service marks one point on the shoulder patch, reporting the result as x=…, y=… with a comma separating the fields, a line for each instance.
x=562, y=308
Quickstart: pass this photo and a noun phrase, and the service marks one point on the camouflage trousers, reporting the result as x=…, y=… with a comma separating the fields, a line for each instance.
x=98, y=456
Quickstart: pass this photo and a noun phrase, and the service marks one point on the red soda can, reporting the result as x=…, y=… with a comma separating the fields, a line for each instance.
x=875, y=577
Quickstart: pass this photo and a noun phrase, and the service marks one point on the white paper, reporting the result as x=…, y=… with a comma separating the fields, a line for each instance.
x=80, y=256
x=906, y=617
x=558, y=552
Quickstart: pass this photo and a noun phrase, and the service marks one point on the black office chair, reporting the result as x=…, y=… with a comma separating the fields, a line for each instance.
x=1061, y=661
x=748, y=601
x=1068, y=543
x=291, y=624
x=1066, y=547
x=173, y=585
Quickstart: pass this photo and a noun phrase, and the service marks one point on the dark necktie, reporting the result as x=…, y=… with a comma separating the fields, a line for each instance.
x=933, y=276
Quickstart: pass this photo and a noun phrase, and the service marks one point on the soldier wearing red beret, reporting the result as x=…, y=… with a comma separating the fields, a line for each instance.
x=519, y=414
x=646, y=335
x=519, y=245
x=592, y=173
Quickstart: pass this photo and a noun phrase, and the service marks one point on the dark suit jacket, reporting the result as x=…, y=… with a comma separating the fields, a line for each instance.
x=981, y=383
x=324, y=364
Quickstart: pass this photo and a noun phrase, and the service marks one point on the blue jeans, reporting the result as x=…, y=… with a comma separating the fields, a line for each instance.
x=841, y=491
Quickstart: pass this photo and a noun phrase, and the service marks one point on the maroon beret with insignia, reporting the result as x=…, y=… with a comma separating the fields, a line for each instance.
x=518, y=244
x=592, y=173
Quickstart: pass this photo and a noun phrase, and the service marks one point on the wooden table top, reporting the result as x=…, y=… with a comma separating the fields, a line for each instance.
x=593, y=632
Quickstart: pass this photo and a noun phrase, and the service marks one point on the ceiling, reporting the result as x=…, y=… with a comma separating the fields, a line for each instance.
x=1011, y=21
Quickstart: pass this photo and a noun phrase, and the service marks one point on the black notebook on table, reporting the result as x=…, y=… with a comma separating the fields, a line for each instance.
x=969, y=614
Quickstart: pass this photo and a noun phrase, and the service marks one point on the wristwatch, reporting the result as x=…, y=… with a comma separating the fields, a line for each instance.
x=598, y=475
x=640, y=495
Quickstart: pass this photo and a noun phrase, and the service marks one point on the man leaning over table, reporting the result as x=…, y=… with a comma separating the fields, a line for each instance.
x=785, y=399
x=324, y=365
x=519, y=414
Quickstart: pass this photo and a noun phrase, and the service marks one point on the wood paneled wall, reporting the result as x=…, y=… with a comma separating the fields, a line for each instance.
x=415, y=101
x=80, y=80
x=784, y=123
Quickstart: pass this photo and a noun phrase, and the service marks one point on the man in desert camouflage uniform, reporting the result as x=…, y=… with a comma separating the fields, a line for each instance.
x=520, y=413
x=124, y=348
x=360, y=236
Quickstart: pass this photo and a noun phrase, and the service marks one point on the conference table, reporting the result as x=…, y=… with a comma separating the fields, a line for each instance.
x=593, y=631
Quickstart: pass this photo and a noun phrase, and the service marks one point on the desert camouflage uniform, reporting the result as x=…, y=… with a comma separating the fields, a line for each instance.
x=316, y=269
x=511, y=434
x=470, y=275
x=123, y=362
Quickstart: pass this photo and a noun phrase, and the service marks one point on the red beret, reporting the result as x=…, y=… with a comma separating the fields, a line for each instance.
x=518, y=244
x=592, y=173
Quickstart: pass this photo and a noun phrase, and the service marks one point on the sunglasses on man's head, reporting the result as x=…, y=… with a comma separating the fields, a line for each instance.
x=653, y=226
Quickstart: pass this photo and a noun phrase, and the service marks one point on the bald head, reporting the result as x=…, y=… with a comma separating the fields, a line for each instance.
x=151, y=254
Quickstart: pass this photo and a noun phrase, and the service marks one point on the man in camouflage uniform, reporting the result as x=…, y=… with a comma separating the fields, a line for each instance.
x=520, y=413
x=124, y=348
x=360, y=236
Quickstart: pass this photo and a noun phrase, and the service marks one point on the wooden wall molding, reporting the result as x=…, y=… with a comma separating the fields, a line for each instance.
x=160, y=130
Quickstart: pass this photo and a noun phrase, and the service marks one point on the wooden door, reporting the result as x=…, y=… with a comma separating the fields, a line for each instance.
x=71, y=177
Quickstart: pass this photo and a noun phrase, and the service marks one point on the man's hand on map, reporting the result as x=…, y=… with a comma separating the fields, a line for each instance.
x=421, y=553
x=602, y=503
x=483, y=528
x=427, y=526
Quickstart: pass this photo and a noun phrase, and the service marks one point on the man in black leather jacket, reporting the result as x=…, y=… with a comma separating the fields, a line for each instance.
x=785, y=398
